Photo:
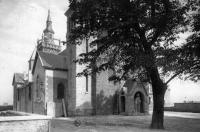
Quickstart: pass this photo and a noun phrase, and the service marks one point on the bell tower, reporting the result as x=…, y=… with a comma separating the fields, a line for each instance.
x=47, y=43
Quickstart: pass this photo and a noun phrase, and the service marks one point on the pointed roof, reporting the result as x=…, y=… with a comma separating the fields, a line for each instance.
x=18, y=78
x=48, y=24
x=130, y=84
x=33, y=54
x=49, y=17
x=51, y=61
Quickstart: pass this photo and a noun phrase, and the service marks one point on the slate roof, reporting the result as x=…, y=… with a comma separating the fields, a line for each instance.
x=18, y=78
x=51, y=61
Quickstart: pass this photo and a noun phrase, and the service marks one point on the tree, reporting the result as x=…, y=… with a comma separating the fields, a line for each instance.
x=191, y=49
x=132, y=35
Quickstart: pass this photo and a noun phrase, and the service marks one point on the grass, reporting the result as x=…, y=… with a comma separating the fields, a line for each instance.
x=126, y=124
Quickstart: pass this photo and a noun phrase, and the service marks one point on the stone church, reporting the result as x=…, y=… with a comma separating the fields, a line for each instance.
x=51, y=87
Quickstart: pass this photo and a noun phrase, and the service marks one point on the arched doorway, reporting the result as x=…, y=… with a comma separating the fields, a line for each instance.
x=60, y=100
x=139, y=102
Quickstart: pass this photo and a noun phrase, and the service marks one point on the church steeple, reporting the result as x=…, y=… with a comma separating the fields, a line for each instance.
x=47, y=43
x=48, y=28
x=49, y=17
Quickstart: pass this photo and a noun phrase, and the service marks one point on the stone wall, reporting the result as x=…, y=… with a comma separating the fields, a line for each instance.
x=105, y=94
x=83, y=91
x=71, y=54
x=39, y=102
x=24, y=122
x=20, y=104
x=14, y=97
x=25, y=126
x=187, y=107
x=29, y=107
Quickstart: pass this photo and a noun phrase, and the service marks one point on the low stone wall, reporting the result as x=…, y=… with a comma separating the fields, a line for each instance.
x=25, y=126
x=185, y=107
x=25, y=123
x=9, y=107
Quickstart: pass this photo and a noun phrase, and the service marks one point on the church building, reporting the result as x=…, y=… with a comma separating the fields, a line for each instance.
x=51, y=86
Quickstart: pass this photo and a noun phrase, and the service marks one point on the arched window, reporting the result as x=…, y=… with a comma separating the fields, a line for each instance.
x=60, y=91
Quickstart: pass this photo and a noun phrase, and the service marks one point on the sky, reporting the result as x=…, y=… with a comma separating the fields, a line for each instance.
x=22, y=23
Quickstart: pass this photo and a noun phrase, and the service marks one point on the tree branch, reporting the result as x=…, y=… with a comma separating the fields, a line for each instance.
x=175, y=75
x=162, y=23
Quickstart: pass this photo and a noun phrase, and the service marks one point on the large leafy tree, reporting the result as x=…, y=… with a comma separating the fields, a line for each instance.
x=132, y=35
x=190, y=51
x=184, y=60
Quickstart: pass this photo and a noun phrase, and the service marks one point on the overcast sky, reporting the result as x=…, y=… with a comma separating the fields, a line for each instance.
x=22, y=23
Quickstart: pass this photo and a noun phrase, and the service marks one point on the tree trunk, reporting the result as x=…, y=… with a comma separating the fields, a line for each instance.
x=159, y=89
x=158, y=110
x=93, y=91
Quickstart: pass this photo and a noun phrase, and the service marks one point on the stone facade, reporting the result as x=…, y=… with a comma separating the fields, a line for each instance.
x=96, y=95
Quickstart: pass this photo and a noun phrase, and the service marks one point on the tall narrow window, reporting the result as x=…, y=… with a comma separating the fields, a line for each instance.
x=37, y=86
x=18, y=94
x=86, y=75
x=29, y=94
x=86, y=83
x=60, y=91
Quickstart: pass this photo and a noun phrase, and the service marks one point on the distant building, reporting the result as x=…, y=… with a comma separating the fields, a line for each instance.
x=18, y=82
x=52, y=87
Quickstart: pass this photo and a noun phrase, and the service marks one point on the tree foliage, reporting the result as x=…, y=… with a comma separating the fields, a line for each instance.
x=191, y=49
x=134, y=35
x=131, y=28
x=184, y=60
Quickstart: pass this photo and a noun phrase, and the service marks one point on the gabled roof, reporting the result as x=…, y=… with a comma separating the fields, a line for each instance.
x=33, y=54
x=63, y=53
x=51, y=61
x=18, y=78
x=69, y=12
x=130, y=82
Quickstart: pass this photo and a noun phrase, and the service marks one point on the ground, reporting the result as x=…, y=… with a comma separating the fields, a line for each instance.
x=174, y=122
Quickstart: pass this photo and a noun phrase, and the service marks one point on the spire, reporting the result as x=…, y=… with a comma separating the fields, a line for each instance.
x=49, y=17
x=48, y=28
